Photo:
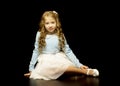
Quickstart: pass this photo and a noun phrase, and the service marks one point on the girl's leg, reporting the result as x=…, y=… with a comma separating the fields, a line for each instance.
x=73, y=69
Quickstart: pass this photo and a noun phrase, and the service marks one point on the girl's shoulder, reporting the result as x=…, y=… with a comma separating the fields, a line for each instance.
x=38, y=34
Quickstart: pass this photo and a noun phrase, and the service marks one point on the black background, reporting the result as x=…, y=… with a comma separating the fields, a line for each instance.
x=90, y=28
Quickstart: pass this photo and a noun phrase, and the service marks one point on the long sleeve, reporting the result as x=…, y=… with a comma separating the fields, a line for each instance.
x=35, y=53
x=71, y=56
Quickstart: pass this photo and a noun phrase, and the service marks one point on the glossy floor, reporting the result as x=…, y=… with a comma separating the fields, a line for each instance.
x=66, y=81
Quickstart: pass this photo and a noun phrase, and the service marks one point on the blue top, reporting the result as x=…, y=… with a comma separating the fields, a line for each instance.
x=51, y=47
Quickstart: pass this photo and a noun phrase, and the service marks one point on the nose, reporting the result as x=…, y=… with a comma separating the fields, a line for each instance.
x=50, y=25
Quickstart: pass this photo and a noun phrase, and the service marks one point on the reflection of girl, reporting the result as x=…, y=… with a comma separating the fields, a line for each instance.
x=52, y=52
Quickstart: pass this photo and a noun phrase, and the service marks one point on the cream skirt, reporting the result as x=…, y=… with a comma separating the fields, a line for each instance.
x=50, y=66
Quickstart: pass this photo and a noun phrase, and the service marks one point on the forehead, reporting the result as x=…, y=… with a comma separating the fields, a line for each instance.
x=49, y=18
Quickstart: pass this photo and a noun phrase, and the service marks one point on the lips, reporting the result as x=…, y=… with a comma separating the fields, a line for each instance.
x=50, y=28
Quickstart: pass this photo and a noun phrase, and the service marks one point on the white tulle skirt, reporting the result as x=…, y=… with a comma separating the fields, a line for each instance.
x=50, y=66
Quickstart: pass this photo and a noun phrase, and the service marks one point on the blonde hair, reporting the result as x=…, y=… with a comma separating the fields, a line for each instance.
x=43, y=31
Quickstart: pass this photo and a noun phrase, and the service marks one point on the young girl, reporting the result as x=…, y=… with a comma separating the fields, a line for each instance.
x=52, y=56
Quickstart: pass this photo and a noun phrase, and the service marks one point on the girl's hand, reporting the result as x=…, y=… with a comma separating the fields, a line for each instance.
x=27, y=74
x=84, y=67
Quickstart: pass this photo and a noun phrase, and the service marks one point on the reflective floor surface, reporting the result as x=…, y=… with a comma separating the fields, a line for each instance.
x=69, y=81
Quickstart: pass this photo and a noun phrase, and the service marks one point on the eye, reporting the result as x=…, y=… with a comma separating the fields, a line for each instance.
x=52, y=22
x=46, y=23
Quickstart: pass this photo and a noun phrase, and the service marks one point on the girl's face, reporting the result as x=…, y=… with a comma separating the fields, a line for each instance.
x=50, y=24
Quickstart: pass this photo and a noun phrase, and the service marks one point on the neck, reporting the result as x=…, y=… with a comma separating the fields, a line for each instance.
x=50, y=33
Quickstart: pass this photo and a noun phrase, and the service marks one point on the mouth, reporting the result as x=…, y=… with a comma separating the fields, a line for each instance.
x=51, y=29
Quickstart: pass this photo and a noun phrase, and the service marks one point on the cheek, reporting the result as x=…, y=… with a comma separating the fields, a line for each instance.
x=46, y=26
x=55, y=26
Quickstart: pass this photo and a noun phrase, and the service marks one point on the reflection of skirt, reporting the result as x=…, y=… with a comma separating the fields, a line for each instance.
x=50, y=66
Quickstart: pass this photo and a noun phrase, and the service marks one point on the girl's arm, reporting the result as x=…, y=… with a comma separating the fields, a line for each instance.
x=71, y=56
x=35, y=53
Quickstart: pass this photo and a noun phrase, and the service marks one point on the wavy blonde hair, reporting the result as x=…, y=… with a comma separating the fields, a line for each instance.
x=43, y=31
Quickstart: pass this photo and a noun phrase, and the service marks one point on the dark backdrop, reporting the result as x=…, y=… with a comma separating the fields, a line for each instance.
x=88, y=26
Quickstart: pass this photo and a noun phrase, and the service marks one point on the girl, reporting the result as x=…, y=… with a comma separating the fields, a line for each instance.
x=52, y=56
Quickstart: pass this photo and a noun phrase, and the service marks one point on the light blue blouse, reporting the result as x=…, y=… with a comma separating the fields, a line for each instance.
x=52, y=47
